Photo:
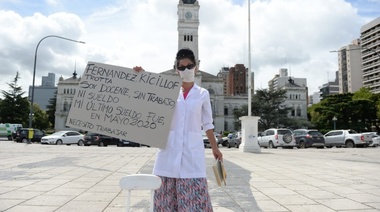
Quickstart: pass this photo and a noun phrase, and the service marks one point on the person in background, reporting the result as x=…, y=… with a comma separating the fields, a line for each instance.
x=181, y=165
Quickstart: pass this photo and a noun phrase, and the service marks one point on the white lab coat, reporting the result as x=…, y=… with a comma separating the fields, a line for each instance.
x=184, y=156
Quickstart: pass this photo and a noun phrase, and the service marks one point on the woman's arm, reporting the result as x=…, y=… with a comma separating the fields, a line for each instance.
x=214, y=145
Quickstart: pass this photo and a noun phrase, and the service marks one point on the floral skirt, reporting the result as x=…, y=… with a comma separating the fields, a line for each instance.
x=182, y=195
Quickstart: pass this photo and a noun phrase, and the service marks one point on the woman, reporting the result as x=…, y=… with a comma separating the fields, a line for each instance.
x=181, y=164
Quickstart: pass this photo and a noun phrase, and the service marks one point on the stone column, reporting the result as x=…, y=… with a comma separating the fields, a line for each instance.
x=249, y=127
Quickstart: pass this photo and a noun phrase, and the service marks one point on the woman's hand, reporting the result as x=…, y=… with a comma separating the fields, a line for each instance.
x=217, y=154
x=138, y=69
x=214, y=145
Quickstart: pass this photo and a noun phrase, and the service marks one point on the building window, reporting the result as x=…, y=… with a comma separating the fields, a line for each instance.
x=225, y=111
x=65, y=107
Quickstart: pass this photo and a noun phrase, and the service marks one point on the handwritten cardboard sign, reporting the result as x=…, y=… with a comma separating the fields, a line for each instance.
x=119, y=102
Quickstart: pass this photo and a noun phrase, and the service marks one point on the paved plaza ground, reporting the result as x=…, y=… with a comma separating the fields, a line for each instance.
x=42, y=178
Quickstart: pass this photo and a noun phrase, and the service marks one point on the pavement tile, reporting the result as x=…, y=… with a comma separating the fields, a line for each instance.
x=288, y=182
x=48, y=200
x=309, y=208
x=66, y=191
x=20, y=194
x=270, y=205
x=19, y=183
x=260, y=196
x=87, y=179
x=319, y=194
x=52, y=181
x=120, y=201
x=374, y=191
x=363, y=198
x=342, y=190
x=8, y=203
x=101, y=197
x=292, y=200
x=266, y=185
x=105, y=189
x=297, y=187
x=363, y=186
x=83, y=206
x=23, y=208
x=5, y=189
x=369, y=210
x=342, y=204
x=375, y=205
x=277, y=191
x=38, y=187
x=77, y=185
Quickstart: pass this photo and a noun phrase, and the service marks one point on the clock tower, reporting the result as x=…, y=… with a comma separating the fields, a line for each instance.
x=188, y=23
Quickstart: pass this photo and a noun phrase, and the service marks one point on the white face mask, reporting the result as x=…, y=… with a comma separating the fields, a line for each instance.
x=187, y=75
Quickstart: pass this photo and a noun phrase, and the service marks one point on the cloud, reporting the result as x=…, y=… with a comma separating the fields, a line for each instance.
x=293, y=34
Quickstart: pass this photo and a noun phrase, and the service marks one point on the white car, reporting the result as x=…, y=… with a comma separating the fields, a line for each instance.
x=63, y=137
x=375, y=141
x=273, y=138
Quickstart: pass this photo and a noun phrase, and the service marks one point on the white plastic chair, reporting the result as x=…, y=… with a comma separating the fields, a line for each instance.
x=140, y=182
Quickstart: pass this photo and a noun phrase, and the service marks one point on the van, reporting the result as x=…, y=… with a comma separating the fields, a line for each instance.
x=9, y=130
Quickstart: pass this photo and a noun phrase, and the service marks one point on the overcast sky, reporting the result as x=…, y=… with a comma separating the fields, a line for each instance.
x=293, y=34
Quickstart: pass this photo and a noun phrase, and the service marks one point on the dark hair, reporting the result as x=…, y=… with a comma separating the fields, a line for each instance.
x=185, y=53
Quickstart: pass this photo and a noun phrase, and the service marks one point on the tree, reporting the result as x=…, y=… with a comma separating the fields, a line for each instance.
x=356, y=111
x=268, y=105
x=40, y=118
x=51, y=110
x=14, y=108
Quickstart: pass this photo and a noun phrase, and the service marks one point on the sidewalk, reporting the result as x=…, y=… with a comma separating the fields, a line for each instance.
x=71, y=178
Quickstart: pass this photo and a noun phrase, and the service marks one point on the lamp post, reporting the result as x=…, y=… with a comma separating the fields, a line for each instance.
x=34, y=72
x=334, y=120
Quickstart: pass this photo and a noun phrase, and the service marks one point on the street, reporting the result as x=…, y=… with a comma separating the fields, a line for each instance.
x=37, y=177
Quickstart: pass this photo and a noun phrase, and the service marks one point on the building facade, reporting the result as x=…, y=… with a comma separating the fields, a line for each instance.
x=44, y=92
x=65, y=95
x=329, y=88
x=370, y=55
x=296, y=92
x=350, y=68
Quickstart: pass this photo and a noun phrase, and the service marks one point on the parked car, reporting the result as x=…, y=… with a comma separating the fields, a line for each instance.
x=22, y=135
x=63, y=137
x=219, y=138
x=234, y=141
x=273, y=138
x=206, y=142
x=225, y=141
x=347, y=138
x=123, y=142
x=375, y=139
x=306, y=138
x=92, y=138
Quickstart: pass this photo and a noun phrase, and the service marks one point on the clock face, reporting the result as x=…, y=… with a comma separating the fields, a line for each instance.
x=188, y=15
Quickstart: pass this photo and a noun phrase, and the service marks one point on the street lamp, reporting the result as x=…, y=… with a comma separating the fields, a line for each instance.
x=361, y=48
x=334, y=120
x=34, y=72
